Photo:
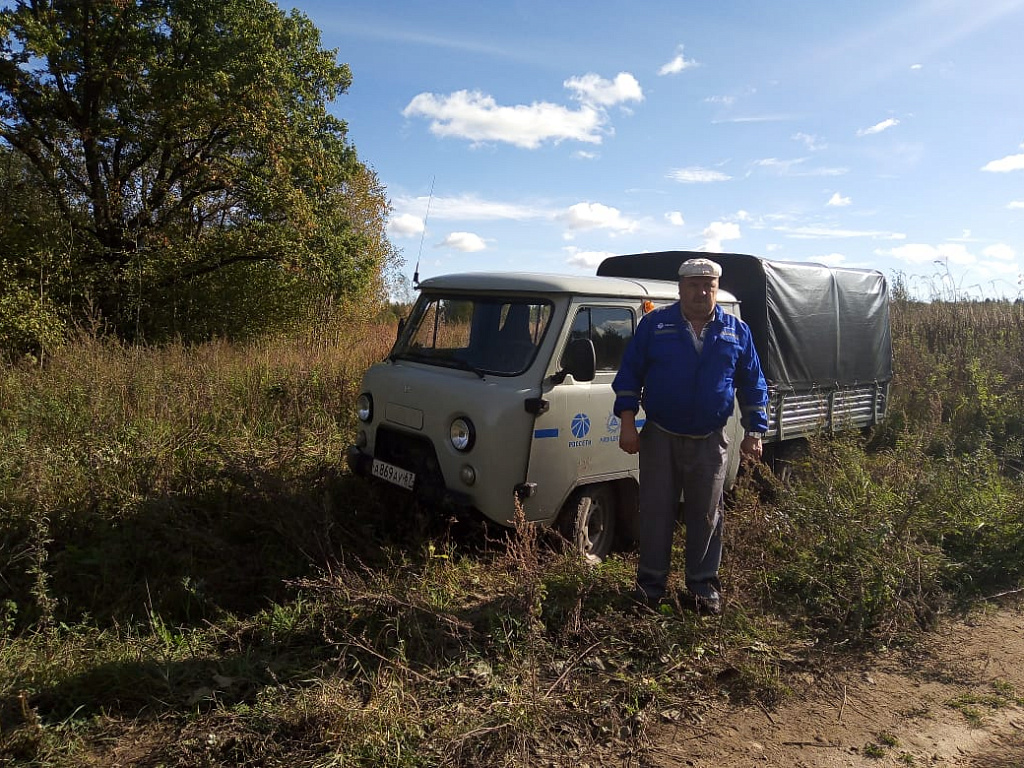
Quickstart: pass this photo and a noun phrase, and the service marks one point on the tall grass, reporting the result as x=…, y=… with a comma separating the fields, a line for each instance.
x=188, y=576
x=134, y=478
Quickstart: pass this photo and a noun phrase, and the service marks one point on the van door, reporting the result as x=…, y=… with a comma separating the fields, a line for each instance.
x=576, y=440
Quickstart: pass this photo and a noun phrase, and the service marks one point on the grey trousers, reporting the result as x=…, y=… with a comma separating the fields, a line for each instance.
x=671, y=465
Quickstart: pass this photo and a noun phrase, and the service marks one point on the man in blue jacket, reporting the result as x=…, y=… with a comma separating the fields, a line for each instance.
x=685, y=365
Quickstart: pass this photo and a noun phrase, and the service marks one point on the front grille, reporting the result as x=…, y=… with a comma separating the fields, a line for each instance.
x=413, y=452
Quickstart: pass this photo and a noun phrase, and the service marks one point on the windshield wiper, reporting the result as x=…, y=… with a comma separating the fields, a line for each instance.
x=462, y=365
x=444, y=362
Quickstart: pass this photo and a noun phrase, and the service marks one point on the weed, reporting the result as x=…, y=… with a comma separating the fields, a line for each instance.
x=873, y=750
x=188, y=572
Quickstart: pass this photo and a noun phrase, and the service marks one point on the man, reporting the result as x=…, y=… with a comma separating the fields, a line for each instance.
x=685, y=365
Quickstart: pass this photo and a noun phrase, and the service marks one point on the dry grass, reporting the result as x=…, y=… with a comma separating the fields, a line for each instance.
x=189, y=577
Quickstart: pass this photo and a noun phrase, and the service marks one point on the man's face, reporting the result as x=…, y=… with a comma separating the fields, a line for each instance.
x=698, y=295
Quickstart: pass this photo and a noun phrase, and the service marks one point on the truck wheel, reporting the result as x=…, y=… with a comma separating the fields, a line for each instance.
x=588, y=521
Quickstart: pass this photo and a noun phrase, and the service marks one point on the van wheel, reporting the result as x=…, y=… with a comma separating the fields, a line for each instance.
x=588, y=521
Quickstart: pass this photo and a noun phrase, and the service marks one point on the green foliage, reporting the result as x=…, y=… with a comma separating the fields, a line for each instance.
x=189, y=576
x=847, y=547
x=34, y=278
x=186, y=150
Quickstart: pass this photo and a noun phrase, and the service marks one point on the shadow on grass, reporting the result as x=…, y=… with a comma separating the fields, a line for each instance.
x=231, y=547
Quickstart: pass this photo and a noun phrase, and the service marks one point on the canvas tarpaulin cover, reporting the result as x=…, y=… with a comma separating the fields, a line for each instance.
x=814, y=326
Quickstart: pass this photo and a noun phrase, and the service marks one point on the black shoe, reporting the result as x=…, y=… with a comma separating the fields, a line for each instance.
x=709, y=605
x=641, y=598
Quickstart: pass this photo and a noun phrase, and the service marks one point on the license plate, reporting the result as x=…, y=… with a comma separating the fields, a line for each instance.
x=393, y=474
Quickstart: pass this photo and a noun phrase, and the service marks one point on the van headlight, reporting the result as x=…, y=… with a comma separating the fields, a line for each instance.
x=462, y=434
x=364, y=407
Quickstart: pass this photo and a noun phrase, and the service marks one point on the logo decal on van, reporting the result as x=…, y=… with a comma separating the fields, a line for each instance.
x=613, y=425
x=580, y=429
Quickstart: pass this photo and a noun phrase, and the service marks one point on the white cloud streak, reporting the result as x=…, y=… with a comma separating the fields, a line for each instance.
x=1006, y=164
x=471, y=208
x=838, y=201
x=695, y=175
x=885, y=125
x=811, y=233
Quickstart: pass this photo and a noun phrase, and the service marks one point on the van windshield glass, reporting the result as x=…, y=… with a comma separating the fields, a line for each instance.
x=486, y=334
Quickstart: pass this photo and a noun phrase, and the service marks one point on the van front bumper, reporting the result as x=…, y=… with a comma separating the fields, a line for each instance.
x=360, y=463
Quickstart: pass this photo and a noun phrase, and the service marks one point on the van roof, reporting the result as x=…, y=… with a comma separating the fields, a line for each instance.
x=538, y=282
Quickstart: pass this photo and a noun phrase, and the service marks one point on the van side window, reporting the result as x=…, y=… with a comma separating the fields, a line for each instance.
x=610, y=328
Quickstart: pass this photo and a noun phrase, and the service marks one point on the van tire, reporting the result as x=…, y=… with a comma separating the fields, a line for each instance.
x=588, y=521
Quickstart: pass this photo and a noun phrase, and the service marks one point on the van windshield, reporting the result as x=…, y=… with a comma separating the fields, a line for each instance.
x=486, y=334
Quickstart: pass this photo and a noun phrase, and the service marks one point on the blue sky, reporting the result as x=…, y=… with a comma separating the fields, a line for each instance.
x=878, y=134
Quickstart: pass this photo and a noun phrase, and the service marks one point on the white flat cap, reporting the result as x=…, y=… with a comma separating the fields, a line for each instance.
x=700, y=268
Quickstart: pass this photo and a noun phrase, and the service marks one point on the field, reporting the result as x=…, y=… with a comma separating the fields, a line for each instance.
x=189, y=576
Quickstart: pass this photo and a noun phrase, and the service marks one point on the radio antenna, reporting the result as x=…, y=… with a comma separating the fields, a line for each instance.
x=423, y=234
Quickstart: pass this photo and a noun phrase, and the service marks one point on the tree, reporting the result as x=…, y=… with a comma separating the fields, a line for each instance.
x=188, y=148
x=32, y=278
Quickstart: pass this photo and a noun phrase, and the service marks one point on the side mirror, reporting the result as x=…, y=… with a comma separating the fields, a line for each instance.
x=580, y=361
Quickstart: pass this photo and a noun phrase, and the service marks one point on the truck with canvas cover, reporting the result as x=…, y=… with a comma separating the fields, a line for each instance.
x=497, y=397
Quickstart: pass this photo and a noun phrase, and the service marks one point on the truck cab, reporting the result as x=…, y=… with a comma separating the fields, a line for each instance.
x=497, y=395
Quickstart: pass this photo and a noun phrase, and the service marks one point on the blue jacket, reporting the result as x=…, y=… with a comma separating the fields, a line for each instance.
x=682, y=391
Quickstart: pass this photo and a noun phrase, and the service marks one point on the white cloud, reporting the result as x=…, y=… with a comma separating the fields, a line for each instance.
x=921, y=253
x=810, y=141
x=597, y=216
x=810, y=233
x=1006, y=164
x=792, y=167
x=838, y=200
x=742, y=215
x=587, y=259
x=1016, y=205
x=717, y=232
x=594, y=90
x=885, y=125
x=677, y=64
x=756, y=119
x=675, y=218
x=724, y=100
x=1000, y=251
x=478, y=117
x=469, y=207
x=782, y=166
x=405, y=225
x=466, y=242
x=829, y=259
x=695, y=175
x=917, y=66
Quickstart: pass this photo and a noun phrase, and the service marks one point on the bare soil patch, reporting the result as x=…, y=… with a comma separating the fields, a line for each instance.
x=955, y=700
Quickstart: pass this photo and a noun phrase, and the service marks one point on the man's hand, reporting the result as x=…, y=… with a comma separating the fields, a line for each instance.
x=751, y=447
x=629, y=438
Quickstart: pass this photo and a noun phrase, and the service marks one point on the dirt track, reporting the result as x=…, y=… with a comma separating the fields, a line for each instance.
x=956, y=701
